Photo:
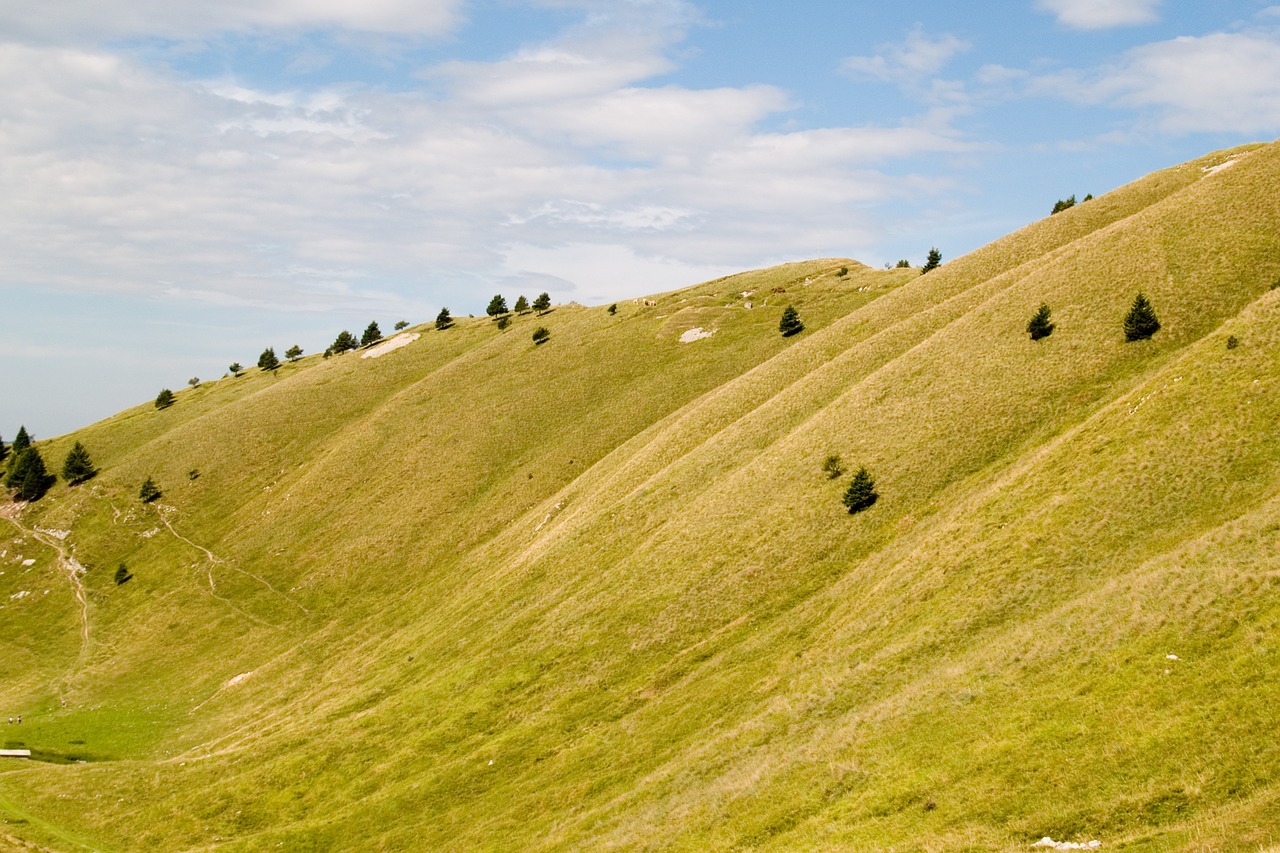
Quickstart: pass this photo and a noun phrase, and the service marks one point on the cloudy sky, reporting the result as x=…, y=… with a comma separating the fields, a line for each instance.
x=183, y=183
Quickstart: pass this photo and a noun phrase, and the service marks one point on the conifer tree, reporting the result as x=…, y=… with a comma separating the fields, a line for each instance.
x=164, y=399
x=27, y=475
x=1040, y=326
x=372, y=334
x=78, y=467
x=122, y=574
x=236, y=368
x=497, y=305
x=861, y=493
x=933, y=261
x=522, y=304
x=293, y=353
x=345, y=342
x=4, y=451
x=443, y=320
x=1140, y=323
x=268, y=360
x=541, y=335
x=613, y=309
x=790, y=323
x=543, y=302
x=402, y=324
x=21, y=441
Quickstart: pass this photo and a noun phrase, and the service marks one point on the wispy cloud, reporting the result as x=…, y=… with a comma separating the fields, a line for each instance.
x=916, y=58
x=1102, y=14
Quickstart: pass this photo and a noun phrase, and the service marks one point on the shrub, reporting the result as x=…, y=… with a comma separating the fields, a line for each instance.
x=4, y=451
x=543, y=302
x=372, y=334
x=122, y=574
x=149, y=491
x=77, y=467
x=1232, y=342
x=1040, y=326
x=843, y=271
x=833, y=466
x=790, y=323
x=541, y=335
x=401, y=324
x=1063, y=204
x=861, y=493
x=194, y=381
x=933, y=261
x=904, y=264
x=443, y=320
x=236, y=368
x=268, y=360
x=164, y=399
x=1140, y=323
x=497, y=305
x=293, y=353
x=613, y=309
x=504, y=321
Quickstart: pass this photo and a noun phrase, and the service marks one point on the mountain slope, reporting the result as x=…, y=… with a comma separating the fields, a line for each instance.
x=482, y=593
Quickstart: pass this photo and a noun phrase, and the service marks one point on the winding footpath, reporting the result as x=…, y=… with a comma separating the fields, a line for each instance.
x=67, y=563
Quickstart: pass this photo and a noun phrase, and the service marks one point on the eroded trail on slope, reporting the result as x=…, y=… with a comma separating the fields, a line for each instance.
x=66, y=562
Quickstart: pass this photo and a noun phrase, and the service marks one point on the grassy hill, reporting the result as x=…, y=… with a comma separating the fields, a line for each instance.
x=598, y=593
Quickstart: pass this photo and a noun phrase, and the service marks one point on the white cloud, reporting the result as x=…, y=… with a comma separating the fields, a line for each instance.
x=917, y=58
x=73, y=20
x=1102, y=14
x=1223, y=82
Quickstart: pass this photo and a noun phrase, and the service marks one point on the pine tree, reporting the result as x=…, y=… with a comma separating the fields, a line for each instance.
x=21, y=441
x=613, y=309
x=497, y=305
x=1063, y=204
x=236, y=368
x=402, y=324
x=522, y=304
x=149, y=491
x=268, y=360
x=372, y=334
x=27, y=475
x=345, y=342
x=293, y=353
x=933, y=261
x=78, y=467
x=443, y=320
x=543, y=302
x=1140, y=323
x=122, y=574
x=540, y=335
x=1040, y=327
x=790, y=323
x=861, y=493
x=164, y=399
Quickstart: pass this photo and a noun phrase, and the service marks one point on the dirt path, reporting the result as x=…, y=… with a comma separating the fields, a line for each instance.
x=67, y=563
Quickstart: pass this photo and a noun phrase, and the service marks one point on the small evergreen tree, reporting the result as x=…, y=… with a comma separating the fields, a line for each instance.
x=345, y=342
x=613, y=309
x=790, y=323
x=541, y=335
x=372, y=334
x=497, y=305
x=27, y=475
x=293, y=353
x=21, y=441
x=122, y=574
x=1088, y=197
x=1063, y=204
x=443, y=320
x=933, y=261
x=236, y=368
x=164, y=399
x=861, y=493
x=1040, y=327
x=401, y=324
x=522, y=304
x=268, y=360
x=78, y=467
x=1140, y=323
x=844, y=271
x=904, y=264
x=833, y=467
x=543, y=302
x=4, y=451
x=504, y=321
x=149, y=491
x=194, y=381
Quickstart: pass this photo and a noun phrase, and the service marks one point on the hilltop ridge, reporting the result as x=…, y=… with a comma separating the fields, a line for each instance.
x=599, y=591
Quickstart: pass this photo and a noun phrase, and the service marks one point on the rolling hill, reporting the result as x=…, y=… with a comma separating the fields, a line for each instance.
x=599, y=593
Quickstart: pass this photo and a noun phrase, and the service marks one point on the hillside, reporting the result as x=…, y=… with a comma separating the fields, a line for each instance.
x=598, y=593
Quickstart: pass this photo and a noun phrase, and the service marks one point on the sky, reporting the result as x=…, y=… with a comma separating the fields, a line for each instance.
x=183, y=184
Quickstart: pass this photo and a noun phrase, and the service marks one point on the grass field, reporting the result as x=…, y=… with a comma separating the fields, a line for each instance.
x=598, y=593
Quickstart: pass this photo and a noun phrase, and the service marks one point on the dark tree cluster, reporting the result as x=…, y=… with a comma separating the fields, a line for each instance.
x=345, y=342
x=1139, y=324
x=26, y=474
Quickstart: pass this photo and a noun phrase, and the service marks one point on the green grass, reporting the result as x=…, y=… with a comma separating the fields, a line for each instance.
x=486, y=594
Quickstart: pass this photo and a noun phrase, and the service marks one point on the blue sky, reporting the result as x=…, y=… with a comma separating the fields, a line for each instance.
x=186, y=183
